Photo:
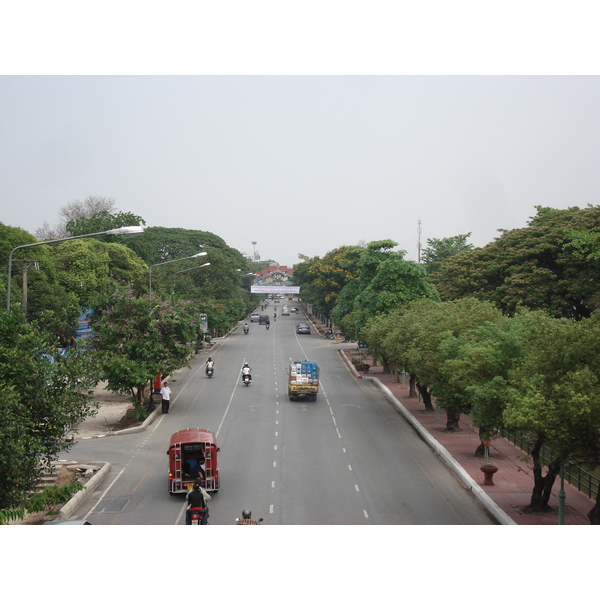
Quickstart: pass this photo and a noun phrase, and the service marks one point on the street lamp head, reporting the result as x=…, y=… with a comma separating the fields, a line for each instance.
x=128, y=232
x=199, y=254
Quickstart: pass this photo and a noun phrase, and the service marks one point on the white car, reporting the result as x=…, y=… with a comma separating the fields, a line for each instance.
x=254, y=318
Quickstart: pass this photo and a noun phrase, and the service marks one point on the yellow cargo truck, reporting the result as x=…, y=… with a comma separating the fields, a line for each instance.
x=303, y=379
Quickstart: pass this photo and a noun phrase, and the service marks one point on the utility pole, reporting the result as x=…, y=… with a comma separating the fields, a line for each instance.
x=419, y=242
x=25, y=263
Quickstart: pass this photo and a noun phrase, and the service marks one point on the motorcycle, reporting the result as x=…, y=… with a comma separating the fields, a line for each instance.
x=267, y=325
x=246, y=329
x=209, y=371
x=330, y=335
x=246, y=379
x=197, y=516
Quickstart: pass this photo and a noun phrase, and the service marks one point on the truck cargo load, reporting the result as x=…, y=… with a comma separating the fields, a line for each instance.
x=303, y=379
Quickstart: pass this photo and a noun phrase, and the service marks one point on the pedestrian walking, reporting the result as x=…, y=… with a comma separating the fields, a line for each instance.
x=165, y=392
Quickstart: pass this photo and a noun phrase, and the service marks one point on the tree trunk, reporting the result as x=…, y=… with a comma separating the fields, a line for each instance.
x=426, y=397
x=452, y=420
x=542, y=484
x=412, y=387
x=483, y=435
x=594, y=514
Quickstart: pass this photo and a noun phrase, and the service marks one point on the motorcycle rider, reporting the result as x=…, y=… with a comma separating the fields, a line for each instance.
x=196, y=500
x=246, y=370
x=210, y=364
x=246, y=328
x=246, y=519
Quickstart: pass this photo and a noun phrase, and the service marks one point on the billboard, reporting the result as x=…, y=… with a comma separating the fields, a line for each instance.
x=274, y=289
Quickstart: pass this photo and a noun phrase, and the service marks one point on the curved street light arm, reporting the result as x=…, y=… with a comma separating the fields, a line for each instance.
x=166, y=262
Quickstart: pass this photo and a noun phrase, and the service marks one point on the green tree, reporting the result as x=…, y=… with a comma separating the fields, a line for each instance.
x=102, y=220
x=476, y=370
x=44, y=291
x=417, y=335
x=135, y=339
x=374, y=333
x=322, y=280
x=439, y=250
x=554, y=395
x=82, y=268
x=44, y=398
x=538, y=267
x=388, y=282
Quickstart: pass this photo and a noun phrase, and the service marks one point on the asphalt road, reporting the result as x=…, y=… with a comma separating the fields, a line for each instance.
x=347, y=459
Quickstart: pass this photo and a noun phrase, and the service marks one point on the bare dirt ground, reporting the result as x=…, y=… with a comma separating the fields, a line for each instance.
x=114, y=413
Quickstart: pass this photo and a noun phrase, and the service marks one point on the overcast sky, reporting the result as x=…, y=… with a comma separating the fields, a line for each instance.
x=300, y=164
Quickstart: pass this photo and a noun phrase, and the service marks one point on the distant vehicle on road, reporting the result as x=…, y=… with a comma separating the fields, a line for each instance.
x=263, y=320
x=294, y=309
x=254, y=318
x=285, y=311
x=302, y=328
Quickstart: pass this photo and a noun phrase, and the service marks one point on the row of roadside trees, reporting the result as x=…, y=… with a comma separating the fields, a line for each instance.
x=507, y=333
x=46, y=395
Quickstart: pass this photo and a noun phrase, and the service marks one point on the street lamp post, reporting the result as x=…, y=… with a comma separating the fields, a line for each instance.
x=131, y=231
x=166, y=263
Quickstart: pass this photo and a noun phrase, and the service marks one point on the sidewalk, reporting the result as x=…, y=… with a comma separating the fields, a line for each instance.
x=512, y=484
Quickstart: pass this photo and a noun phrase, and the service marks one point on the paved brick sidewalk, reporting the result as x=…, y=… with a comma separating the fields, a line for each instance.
x=513, y=483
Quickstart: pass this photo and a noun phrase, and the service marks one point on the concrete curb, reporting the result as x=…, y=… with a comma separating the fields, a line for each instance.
x=69, y=508
x=445, y=456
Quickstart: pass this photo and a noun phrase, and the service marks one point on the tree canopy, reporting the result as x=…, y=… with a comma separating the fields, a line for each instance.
x=538, y=267
x=44, y=398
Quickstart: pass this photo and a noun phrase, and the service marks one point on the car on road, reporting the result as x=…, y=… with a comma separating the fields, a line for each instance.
x=285, y=311
x=302, y=328
x=294, y=309
x=254, y=318
x=263, y=320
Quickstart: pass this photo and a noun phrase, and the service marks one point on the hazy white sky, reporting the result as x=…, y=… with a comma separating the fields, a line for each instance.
x=301, y=163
